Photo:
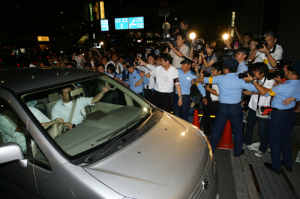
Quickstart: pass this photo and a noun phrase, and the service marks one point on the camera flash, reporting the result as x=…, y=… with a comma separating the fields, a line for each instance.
x=225, y=36
x=192, y=35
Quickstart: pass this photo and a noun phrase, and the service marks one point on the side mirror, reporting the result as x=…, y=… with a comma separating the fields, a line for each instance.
x=11, y=152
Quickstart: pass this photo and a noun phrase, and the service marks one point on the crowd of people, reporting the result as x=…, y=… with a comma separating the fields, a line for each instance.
x=185, y=75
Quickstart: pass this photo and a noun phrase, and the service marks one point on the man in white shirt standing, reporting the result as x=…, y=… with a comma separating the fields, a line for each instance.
x=268, y=54
x=148, y=67
x=257, y=100
x=166, y=76
x=117, y=64
x=181, y=50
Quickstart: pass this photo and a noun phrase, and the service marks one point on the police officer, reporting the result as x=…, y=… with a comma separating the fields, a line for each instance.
x=136, y=82
x=229, y=103
x=282, y=118
x=185, y=77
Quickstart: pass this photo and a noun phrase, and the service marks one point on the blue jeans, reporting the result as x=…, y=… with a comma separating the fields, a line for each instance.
x=262, y=130
x=182, y=111
x=281, y=124
x=233, y=113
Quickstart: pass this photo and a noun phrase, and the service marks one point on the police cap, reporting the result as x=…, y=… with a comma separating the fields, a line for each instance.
x=231, y=63
x=186, y=60
x=297, y=66
x=128, y=63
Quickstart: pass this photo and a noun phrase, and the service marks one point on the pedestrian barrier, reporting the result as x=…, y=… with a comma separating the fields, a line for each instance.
x=226, y=141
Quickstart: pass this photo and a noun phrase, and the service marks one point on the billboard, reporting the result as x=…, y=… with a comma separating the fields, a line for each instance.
x=104, y=25
x=121, y=23
x=136, y=23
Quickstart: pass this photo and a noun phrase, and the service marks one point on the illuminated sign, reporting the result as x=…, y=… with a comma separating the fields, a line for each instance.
x=121, y=23
x=104, y=25
x=136, y=23
x=102, y=13
x=91, y=11
x=43, y=38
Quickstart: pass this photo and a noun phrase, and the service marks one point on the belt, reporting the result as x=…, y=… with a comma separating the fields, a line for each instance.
x=276, y=109
x=184, y=95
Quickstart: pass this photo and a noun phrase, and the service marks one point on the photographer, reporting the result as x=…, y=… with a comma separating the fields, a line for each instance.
x=268, y=51
x=282, y=118
x=212, y=95
x=260, y=71
x=209, y=58
x=182, y=50
x=240, y=56
x=230, y=104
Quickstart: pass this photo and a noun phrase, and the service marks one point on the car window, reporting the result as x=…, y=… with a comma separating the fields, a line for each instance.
x=38, y=155
x=103, y=109
x=11, y=127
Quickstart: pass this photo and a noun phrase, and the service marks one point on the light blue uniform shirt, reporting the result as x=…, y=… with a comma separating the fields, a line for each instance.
x=231, y=87
x=290, y=88
x=135, y=77
x=242, y=68
x=185, y=83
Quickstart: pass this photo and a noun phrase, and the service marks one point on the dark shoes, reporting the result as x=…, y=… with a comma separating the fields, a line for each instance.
x=286, y=168
x=269, y=166
x=239, y=154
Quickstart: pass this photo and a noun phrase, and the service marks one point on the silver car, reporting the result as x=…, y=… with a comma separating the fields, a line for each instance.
x=124, y=148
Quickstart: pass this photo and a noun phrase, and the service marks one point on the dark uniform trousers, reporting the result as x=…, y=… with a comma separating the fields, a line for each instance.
x=233, y=113
x=182, y=111
x=162, y=100
x=281, y=124
x=210, y=109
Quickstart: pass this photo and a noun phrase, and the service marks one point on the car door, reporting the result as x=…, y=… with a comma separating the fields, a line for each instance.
x=15, y=182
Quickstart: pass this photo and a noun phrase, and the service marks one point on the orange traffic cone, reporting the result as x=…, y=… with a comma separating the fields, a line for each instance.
x=196, y=119
x=226, y=141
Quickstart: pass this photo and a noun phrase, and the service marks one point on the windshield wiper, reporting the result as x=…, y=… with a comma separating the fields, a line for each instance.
x=112, y=142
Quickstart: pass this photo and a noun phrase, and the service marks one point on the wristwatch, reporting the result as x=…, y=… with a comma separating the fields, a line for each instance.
x=267, y=54
x=102, y=92
x=180, y=96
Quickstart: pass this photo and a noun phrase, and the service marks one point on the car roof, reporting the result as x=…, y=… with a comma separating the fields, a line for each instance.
x=24, y=79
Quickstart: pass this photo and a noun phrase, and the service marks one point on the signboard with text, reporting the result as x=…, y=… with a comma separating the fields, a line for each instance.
x=136, y=23
x=121, y=23
x=104, y=25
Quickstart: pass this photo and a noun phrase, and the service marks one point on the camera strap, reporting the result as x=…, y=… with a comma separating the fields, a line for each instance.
x=273, y=50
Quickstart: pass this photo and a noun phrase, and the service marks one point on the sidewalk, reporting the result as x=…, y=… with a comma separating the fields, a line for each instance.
x=253, y=180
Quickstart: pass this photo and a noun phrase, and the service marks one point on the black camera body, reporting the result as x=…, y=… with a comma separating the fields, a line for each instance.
x=278, y=72
x=261, y=42
x=245, y=74
x=206, y=74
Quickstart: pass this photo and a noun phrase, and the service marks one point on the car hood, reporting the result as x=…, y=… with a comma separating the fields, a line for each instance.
x=166, y=162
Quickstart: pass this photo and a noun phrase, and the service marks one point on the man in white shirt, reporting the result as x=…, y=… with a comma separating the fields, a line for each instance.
x=117, y=64
x=62, y=109
x=268, y=54
x=147, y=68
x=257, y=100
x=166, y=76
x=182, y=50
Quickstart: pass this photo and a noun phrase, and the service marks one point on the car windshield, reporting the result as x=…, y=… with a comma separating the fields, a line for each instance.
x=93, y=111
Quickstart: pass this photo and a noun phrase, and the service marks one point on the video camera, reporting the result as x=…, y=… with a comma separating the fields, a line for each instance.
x=245, y=74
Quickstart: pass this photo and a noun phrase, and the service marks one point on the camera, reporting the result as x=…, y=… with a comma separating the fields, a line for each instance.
x=261, y=42
x=137, y=63
x=206, y=74
x=245, y=74
x=278, y=72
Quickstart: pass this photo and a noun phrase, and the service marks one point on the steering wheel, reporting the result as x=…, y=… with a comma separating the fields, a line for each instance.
x=51, y=123
x=108, y=86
